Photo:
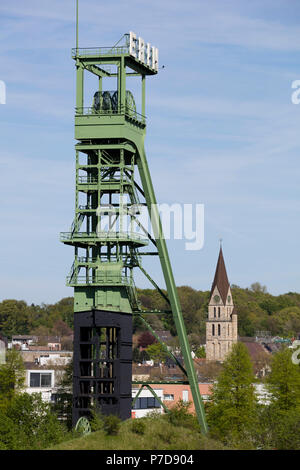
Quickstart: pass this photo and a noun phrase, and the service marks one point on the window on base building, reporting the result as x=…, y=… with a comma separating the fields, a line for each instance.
x=38, y=379
x=146, y=403
x=185, y=395
x=169, y=397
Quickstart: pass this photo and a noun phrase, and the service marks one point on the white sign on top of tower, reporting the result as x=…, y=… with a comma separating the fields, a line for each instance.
x=146, y=53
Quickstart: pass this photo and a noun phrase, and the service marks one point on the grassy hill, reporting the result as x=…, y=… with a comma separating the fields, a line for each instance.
x=155, y=433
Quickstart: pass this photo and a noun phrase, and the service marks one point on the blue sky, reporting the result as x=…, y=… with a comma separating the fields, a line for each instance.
x=222, y=131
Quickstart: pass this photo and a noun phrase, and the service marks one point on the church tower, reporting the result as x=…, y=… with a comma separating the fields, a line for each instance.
x=221, y=325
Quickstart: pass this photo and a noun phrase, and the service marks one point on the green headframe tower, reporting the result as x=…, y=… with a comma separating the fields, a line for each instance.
x=113, y=185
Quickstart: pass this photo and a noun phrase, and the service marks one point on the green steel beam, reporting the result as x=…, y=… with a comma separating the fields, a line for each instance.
x=96, y=70
x=137, y=395
x=171, y=286
x=157, y=398
x=154, y=284
x=151, y=312
x=147, y=385
x=145, y=231
x=79, y=87
x=100, y=146
x=161, y=382
x=143, y=95
x=165, y=348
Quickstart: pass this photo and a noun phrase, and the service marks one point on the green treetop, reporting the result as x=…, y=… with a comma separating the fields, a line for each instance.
x=283, y=382
x=231, y=411
x=156, y=352
x=12, y=377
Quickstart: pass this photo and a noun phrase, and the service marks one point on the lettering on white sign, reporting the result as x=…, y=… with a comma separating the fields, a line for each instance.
x=144, y=52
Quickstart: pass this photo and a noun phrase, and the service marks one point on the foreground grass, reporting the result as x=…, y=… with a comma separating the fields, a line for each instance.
x=158, y=434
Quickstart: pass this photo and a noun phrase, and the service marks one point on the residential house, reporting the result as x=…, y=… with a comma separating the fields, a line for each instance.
x=44, y=368
x=169, y=394
x=22, y=341
x=259, y=354
x=146, y=402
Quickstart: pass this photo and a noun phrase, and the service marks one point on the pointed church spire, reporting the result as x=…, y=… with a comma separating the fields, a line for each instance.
x=220, y=279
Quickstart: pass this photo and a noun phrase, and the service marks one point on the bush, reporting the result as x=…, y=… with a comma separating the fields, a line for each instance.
x=111, y=425
x=33, y=425
x=97, y=420
x=179, y=415
x=138, y=426
x=168, y=435
x=278, y=429
x=8, y=433
x=286, y=435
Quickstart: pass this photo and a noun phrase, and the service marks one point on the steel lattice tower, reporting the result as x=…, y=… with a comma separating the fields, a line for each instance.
x=109, y=153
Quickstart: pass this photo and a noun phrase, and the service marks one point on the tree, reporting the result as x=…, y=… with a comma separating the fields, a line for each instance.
x=140, y=356
x=8, y=433
x=41, y=332
x=137, y=324
x=209, y=370
x=136, y=355
x=12, y=377
x=33, y=424
x=257, y=287
x=283, y=383
x=232, y=407
x=145, y=339
x=279, y=421
x=144, y=356
x=156, y=352
x=14, y=317
x=250, y=314
x=63, y=403
x=195, y=340
x=278, y=429
x=60, y=328
x=200, y=352
x=288, y=321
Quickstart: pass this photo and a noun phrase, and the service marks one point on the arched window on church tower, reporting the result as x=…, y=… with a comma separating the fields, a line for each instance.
x=219, y=311
x=213, y=330
x=215, y=312
x=219, y=329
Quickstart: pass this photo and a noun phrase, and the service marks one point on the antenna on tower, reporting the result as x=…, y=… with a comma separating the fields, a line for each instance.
x=76, y=27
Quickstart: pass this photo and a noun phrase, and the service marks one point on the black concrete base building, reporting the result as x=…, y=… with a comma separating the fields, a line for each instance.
x=102, y=373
